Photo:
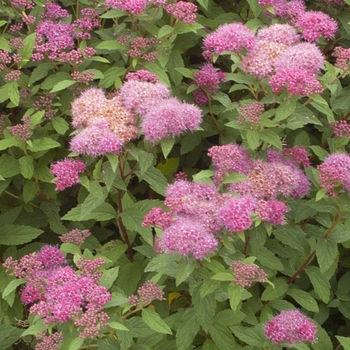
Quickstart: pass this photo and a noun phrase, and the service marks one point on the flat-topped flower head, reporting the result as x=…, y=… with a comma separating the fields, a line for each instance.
x=250, y=113
x=231, y=37
x=170, y=117
x=209, y=77
x=303, y=55
x=134, y=6
x=279, y=33
x=142, y=75
x=87, y=106
x=296, y=81
x=315, y=24
x=246, y=274
x=236, y=214
x=183, y=10
x=272, y=211
x=335, y=173
x=67, y=173
x=140, y=96
x=96, y=140
x=290, y=327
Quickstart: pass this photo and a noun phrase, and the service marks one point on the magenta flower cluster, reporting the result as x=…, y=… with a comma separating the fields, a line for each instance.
x=67, y=173
x=198, y=213
x=58, y=293
x=246, y=274
x=290, y=327
x=335, y=173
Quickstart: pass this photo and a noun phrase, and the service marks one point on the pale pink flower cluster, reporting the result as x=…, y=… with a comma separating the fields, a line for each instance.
x=67, y=173
x=104, y=125
x=147, y=293
x=134, y=6
x=21, y=130
x=58, y=293
x=48, y=342
x=182, y=10
x=290, y=327
x=161, y=115
x=246, y=274
x=335, y=173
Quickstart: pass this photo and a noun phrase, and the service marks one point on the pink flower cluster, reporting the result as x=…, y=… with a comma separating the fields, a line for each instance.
x=67, y=173
x=199, y=213
x=58, y=293
x=335, y=173
x=290, y=327
x=161, y=115
x=341, y=128
x=246, y=274
x=231, y=37
x=134, y=6
x=21, y=130
x=75, y=236
x=182, y=10
x=250, y=113
x=148, y=292
x=343, y=57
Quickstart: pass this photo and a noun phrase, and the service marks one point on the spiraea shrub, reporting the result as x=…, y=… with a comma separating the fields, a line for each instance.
x=174, y=175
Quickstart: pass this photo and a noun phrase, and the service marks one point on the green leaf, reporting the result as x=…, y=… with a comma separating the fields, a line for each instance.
x=35, y=328
x=30, y=190
x=320, y=283
x=51, y=208
x=187, y=330
x=235, y=295
x=12, y=286
x=185, y=268
x=109, y=277
x=153, y=320
x=326, y=253
x=118, y=325
x=113, y=14
x=103, y=212
x=320, y=152
x=8, y=335
x=111, y=76
x=164, y=31
x=60, y=125
x=345, y=342
x=304, y=299
x=204, y=176
x=323, y=341
x=155, y=179
x=12, y=90
x=204, y=308
x=4, y=44
x=271, y=137
x=222, y=337
x=9, y=166
x=18, y=234
x=252, y=139
x=43, y=144
x=110, y=45
x=26, y=52
x=234, y=177
x=250, y=335
x=76, y=344
x=7, y=143
x=39, y=72
x=70, y=248
x=293, y=236
x=223, y=276
x=185, y=72
x=285, y=110
x=62, y=85
x=321, y=105
x=276, y=291
x=166, y=146
x=26, y=165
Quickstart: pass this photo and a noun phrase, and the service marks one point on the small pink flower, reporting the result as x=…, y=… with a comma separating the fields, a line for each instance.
x=186, y=11
x=67, y=173
x=272, y=211
x=290, y=327
x=279, y=33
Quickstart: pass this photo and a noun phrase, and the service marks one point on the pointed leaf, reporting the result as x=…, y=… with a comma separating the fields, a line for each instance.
x=153, y=320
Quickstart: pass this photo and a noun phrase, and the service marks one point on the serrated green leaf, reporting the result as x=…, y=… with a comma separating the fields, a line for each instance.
x=51, y=208
x=64, y=84
x=103, y=212
x=118, y=325
x=12, y=286
x=271, y=138
x=320, y=283
x=76, y=344
x=253, y=139
x=187, y=330
x=320, y=152
x=70, y=248
x=223, y=276
x=293, y=236
x=323, y=341
x=278, y=289
x=234, y=177
x=110, y=45
x=345, y=342
x=250, y=335
x=167, y=145
x=208, y=286
x=39, y=72
x=60, y=125
x=35, y=328
x=319, y=103
x=43, y=144
x=26, y=165
x=7, y=143
x=304, y=299
x=9, y=335
x=204, y=176
x=108, y=278
x=26, y=52
x=185, y=72
x=155, y=179
x=153, y=320
x=285, y=110
x=113, y=14
x=326, y=253
x=235, y=295
x=164, y=31
x=13, y=93
x=18, y=234
x=30, y=190
x=185, y=268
